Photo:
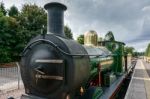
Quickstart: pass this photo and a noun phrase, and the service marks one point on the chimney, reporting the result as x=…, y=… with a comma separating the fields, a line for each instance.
x=55, y=21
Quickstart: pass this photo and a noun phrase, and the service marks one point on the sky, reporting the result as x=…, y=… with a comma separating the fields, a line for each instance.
x=129, y=20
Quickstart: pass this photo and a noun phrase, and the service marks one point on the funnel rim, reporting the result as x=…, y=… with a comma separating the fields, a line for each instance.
x=55, y=4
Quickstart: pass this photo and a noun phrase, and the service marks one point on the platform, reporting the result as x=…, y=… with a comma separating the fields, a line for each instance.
x=139, y=87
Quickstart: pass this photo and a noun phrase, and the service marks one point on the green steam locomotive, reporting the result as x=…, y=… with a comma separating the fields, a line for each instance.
x=54, y=67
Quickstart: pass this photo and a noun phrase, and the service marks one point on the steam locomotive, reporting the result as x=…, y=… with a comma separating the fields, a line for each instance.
x=55, y=67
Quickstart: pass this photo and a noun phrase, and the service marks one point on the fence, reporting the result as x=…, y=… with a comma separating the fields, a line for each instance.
x=10, y=80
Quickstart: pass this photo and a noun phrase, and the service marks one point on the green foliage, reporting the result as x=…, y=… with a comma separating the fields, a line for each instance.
x=68, y=32
x=80, y=39
x=147, y=52
x=136, y=54
x=13, y=11
x=100, y=39
x=8, y=39
x=31, y=21
x=17, y=29
x=32, y=18
x=109, y=36
x=2, y=8
x=129, y=50
x=1, y=14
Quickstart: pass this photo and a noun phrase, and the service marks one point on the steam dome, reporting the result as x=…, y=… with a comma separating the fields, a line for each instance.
x=90, y=38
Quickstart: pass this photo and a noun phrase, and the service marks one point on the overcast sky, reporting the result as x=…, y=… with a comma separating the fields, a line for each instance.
x=129, y=20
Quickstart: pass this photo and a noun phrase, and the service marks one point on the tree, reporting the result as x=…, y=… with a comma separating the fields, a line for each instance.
x=136, y=54
x=2, y=8
x=17, y=29
x=100, y=39
x=109, y=36
x=129, y=50
x=13, y=11
x=31, y=20
x=68, y=32
x=1, y=14
x=8, y=39
x=80, y=39
x=15, y=32
x=147, y=52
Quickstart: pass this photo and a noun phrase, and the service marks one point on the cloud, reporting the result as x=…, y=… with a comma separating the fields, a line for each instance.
x=122, y=17
x=127, y=19
x=144, y=35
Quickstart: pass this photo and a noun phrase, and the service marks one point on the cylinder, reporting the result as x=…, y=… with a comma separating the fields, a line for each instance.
x=55, y=20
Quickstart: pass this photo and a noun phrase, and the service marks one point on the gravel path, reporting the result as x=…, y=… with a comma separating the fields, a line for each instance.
x=13, y=93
